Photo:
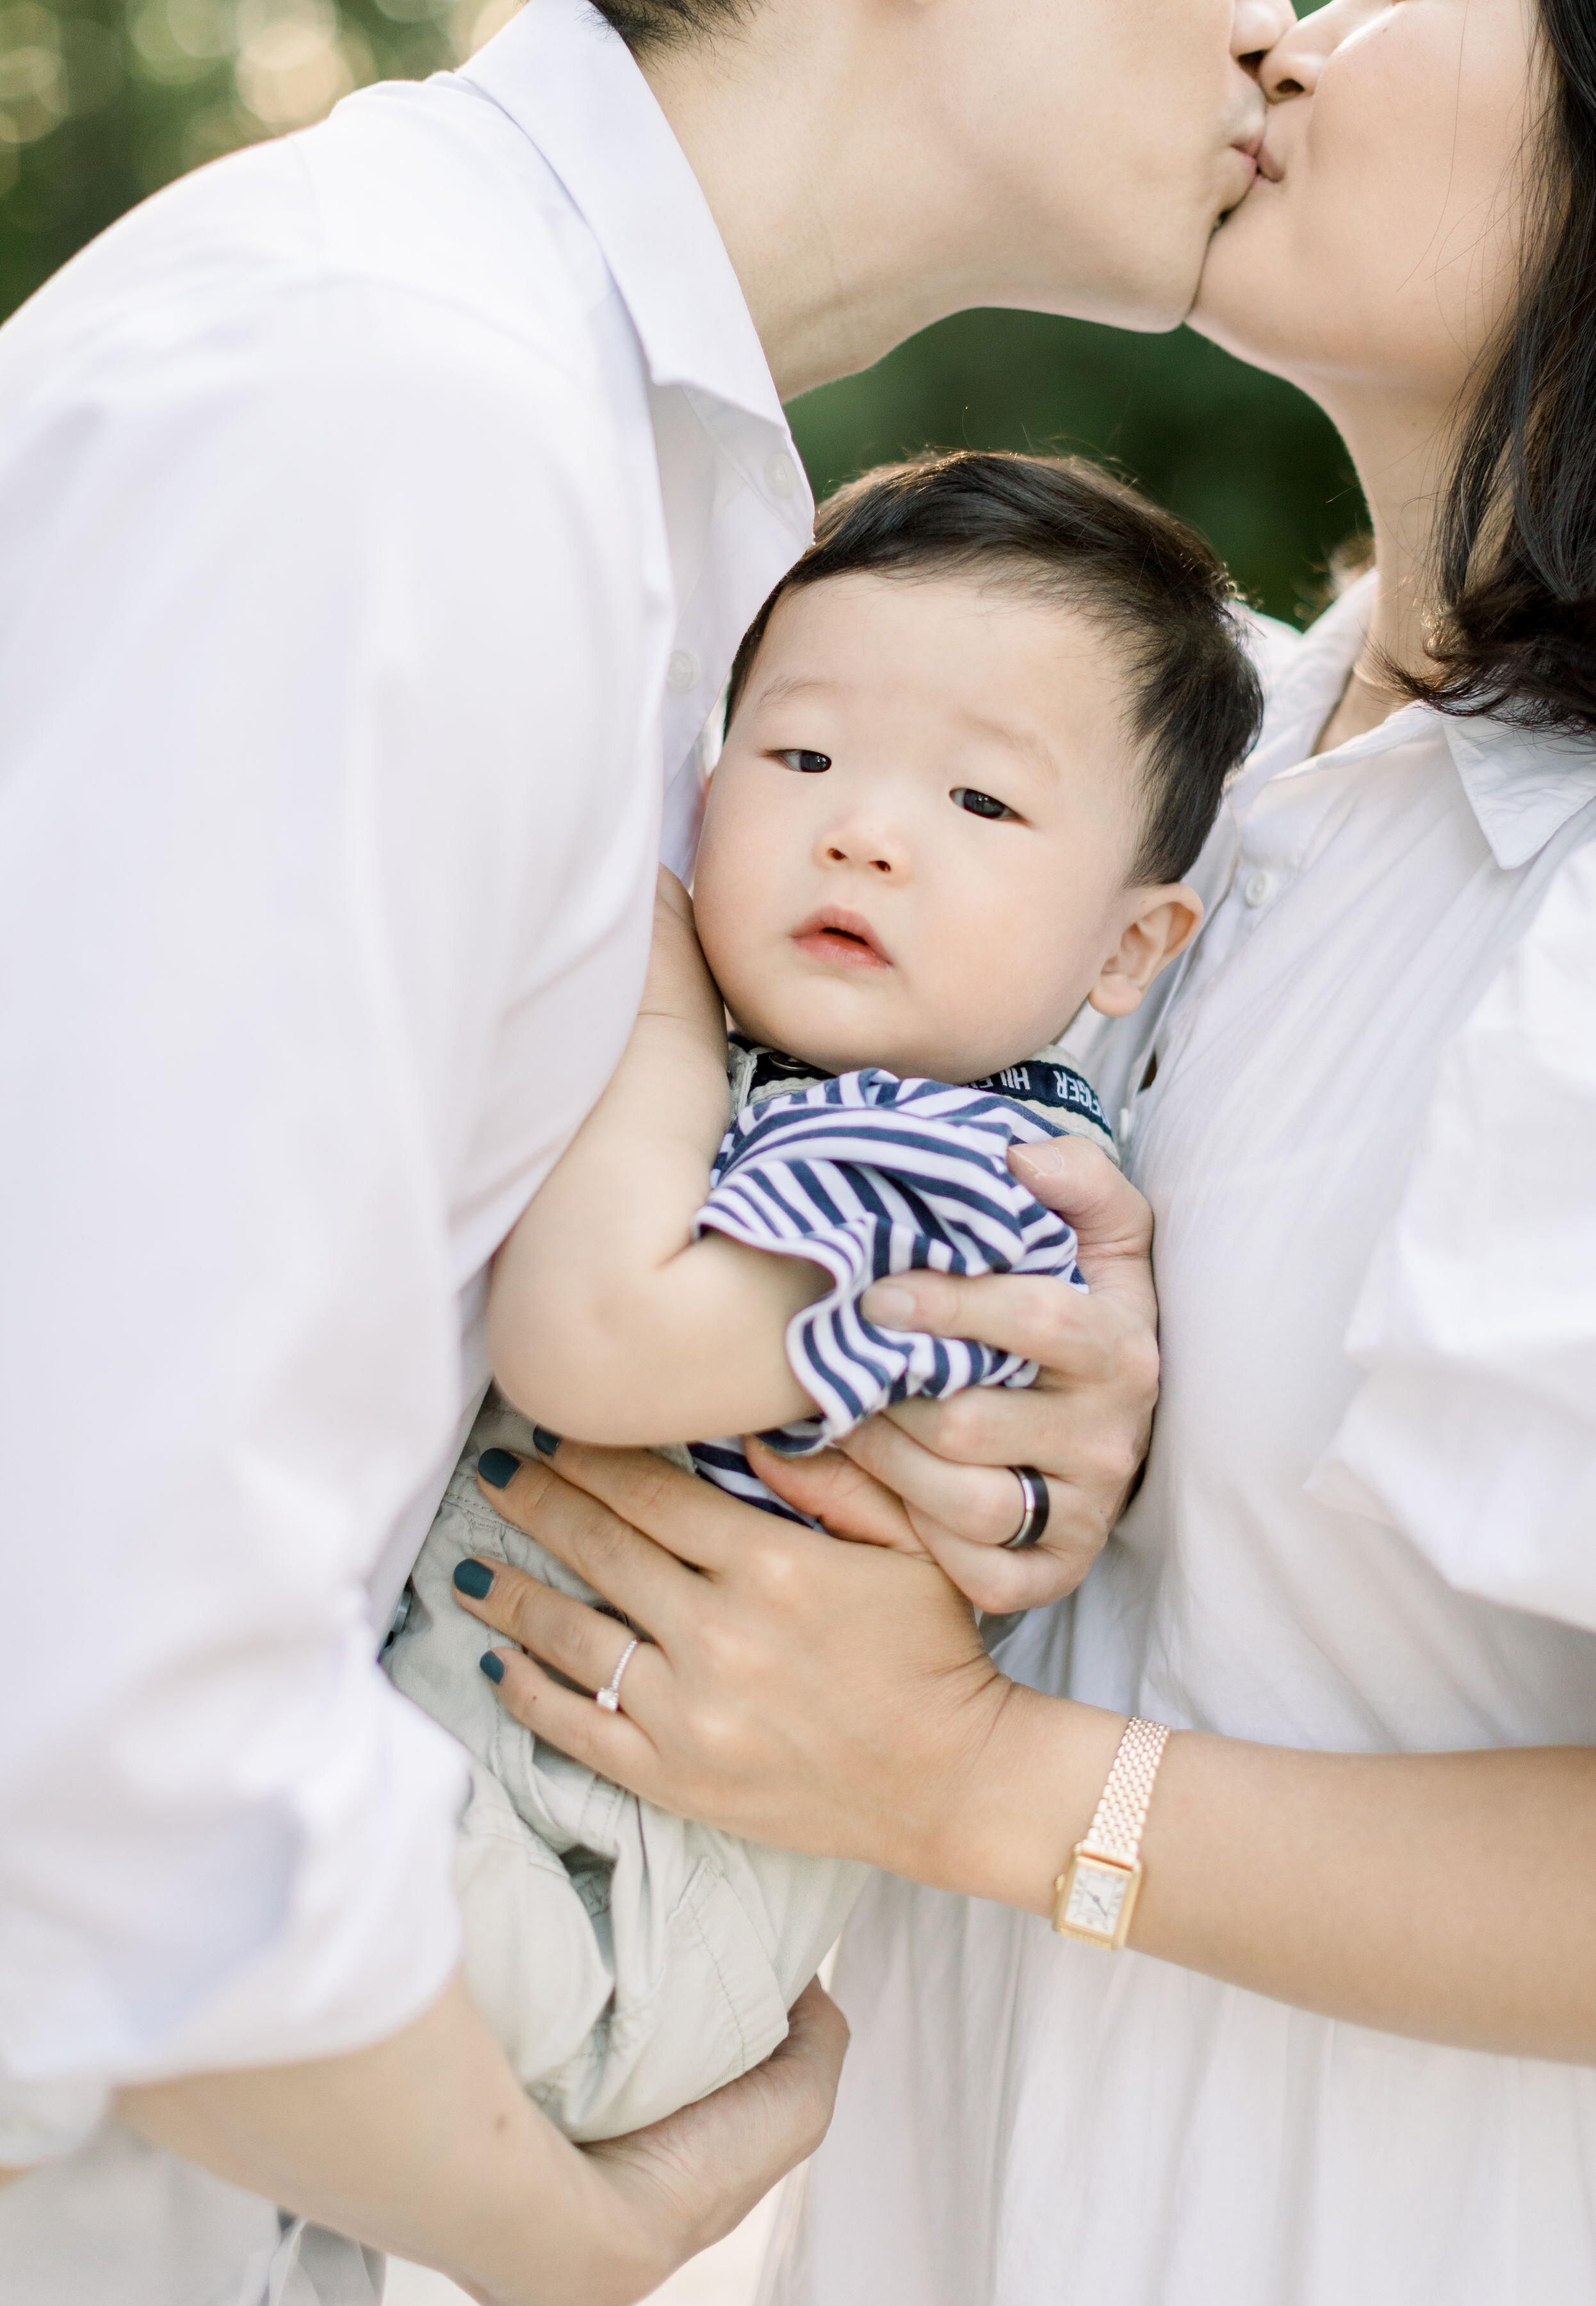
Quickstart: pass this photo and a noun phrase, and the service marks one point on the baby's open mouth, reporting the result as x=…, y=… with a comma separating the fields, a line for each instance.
x=840, y=936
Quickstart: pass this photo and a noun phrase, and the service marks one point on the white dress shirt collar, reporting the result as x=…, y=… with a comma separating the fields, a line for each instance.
x=1522, y=784
x=568, y=83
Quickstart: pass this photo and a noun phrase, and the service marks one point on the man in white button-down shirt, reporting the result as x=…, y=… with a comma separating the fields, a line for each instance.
x=379, y=513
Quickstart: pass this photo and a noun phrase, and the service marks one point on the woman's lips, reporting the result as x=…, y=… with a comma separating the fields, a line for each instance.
x=842, y=937
x=1263, y=162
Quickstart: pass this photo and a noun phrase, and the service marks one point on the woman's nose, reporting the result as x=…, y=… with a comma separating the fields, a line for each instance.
x=1257, y=26
x=1293, y=65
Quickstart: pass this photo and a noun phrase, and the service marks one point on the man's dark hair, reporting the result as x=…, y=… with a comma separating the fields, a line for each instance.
x=647, y=26
x=1059, y=529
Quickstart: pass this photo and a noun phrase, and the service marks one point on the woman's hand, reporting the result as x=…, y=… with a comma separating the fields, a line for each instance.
x=1084, y=1424
x=833, y=1698
x=825, y=1697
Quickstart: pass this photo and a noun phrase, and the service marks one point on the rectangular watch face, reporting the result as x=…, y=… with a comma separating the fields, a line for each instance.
x=1096, y=1902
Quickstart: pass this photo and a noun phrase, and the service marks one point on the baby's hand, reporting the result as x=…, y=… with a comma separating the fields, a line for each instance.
x=845, y=1499
x=679, y=987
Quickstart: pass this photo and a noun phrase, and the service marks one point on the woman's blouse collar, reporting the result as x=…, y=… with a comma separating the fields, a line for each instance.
x=1522, y=785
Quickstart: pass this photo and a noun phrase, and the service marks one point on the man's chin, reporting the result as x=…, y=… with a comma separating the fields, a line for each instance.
x=1165, y=300
x=1152, y=309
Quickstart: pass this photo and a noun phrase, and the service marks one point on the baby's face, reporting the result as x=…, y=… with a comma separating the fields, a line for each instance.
x=919, y=833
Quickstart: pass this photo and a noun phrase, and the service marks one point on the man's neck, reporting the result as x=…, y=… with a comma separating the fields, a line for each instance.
x=857, y=202
x=812, y=200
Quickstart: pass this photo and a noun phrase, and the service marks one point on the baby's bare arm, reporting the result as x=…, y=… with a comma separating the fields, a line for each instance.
x=606, y=1320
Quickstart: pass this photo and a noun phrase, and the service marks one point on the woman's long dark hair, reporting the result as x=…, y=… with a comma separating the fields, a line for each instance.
x=1516, y=545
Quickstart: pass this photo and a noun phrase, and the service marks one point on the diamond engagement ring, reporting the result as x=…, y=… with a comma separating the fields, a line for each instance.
x=1033, y=1508
x=610, y=1697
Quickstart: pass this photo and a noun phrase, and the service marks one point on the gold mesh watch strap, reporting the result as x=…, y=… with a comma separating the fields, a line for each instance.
x=1116, y=1830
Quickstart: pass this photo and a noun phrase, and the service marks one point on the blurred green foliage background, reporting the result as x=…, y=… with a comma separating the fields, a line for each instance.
x=101, y=101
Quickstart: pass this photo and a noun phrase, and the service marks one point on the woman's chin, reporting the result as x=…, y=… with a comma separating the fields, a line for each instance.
x=1240, y=306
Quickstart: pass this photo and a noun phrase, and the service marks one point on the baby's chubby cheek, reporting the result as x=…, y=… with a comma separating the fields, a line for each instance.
x=1018, y=1002
x=764, y=1007
x=835, y=1021
x=740, y=961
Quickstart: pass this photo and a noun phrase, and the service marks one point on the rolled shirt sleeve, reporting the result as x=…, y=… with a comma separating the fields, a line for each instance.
x=324, y=911
x=1473, y=1430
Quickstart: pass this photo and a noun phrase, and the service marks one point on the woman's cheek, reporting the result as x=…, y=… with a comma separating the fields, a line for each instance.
x=1411, y=152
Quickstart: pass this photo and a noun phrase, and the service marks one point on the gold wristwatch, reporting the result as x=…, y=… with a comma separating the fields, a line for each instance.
x=1096, y=1894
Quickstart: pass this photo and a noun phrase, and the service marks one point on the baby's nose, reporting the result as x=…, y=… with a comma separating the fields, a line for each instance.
x=836, y=856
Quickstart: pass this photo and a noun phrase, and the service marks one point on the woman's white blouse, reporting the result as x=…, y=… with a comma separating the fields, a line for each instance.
x=1370, y=1141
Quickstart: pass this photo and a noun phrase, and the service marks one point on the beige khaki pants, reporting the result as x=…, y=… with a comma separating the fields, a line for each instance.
x=629, y=1960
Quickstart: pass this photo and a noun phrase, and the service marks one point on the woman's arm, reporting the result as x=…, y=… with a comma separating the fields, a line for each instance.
x=835, y=1698
x=425, y=2144
x=606, y=1319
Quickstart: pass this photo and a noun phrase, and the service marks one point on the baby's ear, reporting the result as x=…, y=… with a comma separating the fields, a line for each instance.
x=1162, y=923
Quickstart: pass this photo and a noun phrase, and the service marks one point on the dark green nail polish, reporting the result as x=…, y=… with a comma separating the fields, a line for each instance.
x=544, y=1442
x=475, y=1578
x=492, y=1665
x=498, y=1467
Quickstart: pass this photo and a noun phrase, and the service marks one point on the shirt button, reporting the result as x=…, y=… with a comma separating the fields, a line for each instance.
x=780, y=474
x=1258, y=888
x=682, y=672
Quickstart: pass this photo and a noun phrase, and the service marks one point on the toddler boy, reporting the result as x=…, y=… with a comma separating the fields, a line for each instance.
x=973, y=741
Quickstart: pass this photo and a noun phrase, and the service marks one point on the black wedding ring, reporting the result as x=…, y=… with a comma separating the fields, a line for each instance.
x=1034, y=1502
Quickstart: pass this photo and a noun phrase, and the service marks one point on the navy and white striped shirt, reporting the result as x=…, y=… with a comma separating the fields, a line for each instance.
x=866, y=1175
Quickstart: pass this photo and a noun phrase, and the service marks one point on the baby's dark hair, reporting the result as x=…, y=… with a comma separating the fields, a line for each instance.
x=1059, y=528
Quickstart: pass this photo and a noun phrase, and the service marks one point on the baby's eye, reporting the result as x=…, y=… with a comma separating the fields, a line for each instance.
x=979, y=804
x=807, y=764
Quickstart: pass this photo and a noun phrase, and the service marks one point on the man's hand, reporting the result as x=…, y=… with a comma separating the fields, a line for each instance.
x=700, y=2172
x=425, y=2146
x=1084, y=1424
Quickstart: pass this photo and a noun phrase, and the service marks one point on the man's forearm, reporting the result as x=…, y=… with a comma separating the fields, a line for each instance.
x=422, y=2145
